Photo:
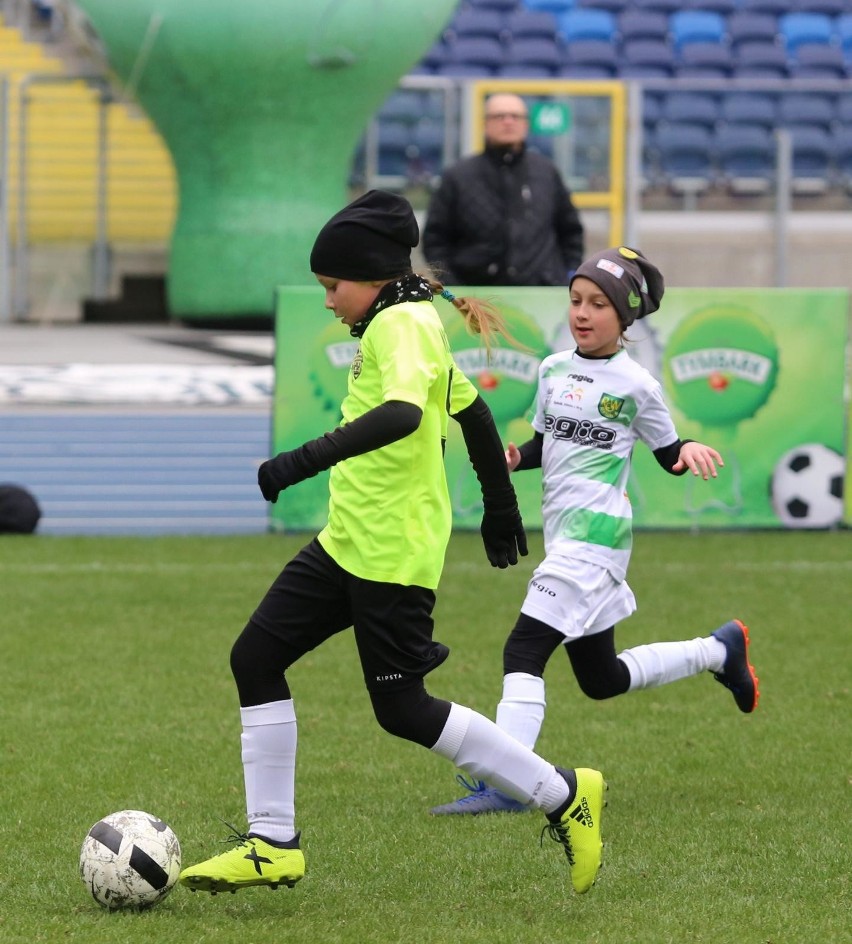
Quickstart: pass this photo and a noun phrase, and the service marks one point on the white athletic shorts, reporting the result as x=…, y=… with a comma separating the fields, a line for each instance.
x=577, y=598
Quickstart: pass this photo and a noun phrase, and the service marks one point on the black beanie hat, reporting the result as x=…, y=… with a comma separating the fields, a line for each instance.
x=19, y=511
x=633, y=284
x=369, y=240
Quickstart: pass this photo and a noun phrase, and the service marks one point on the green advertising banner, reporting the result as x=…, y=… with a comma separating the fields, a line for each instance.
x=757, y=373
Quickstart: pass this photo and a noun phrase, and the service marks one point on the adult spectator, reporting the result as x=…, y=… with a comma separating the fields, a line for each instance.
x=503, y=217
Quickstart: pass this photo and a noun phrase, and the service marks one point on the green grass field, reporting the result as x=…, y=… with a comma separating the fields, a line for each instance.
x=721, y=828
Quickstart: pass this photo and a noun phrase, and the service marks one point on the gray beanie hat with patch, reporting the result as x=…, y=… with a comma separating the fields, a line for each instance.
x=633, y=284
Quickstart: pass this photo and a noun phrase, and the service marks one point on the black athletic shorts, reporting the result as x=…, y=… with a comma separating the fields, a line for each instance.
x=314, y=598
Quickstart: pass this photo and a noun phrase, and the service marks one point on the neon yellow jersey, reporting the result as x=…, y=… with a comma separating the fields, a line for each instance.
x=389, y=513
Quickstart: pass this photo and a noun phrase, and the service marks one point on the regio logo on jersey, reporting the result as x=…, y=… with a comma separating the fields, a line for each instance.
x=582, y=432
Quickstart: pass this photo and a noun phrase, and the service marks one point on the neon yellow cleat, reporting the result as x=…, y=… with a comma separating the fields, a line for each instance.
x=578, y=830
x=253, y=861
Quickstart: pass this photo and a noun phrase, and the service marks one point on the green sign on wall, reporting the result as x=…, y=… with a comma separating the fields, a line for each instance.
x=759, y=374
x=550, y=118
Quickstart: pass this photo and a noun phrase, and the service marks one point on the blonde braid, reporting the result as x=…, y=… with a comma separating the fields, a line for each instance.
x=481, y=317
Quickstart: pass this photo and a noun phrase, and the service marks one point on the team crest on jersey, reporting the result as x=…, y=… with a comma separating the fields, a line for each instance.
x=610, y=406
x=357, y=360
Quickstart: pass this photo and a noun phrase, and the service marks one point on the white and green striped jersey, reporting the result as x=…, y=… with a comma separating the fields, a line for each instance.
x=591, y=412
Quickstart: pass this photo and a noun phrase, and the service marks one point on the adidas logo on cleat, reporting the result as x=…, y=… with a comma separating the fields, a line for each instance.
x=582, y=814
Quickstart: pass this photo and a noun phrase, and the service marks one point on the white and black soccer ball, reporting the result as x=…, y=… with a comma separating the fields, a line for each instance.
x=130, y=859
x=807, y=487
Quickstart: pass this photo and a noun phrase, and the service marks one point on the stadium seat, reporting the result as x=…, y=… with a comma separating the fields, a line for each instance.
x=643, y=24
x=662, y=6
x=549, y=6
x=843, y=25
x=475, y=23
x=589, y=59
x=531, y=24
x=616, y=7
x=524, y=56
x=646, y=58
x=811, y=158
x=698, y=108
x=760, y=61
x=746, y=158
x=505, y=6
x=474, y=56
x=696, y=26
x=775, y=8
x=843, y=111
x=704, y=61
x=429, y=144
x=403, y=105
x=723, y=7
x=396, y=148
x=842, y=156
x=652, y=110
x=798, y=28
x=826, y=7
x=819, y=61
x=582, y=23
x=755, y=109
x=684, y=154
x=745, y=26
x=806, y=110
x=435, y=57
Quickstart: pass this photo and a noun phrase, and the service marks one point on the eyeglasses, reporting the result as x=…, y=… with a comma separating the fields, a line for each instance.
x=504, y=115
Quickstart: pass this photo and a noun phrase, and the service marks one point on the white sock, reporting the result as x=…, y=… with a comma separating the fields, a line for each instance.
x=479, y=748
x=662, y=662
x=521, y=709
x=269, y=768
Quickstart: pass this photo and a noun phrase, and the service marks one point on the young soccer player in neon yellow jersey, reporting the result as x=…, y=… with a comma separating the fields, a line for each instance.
x=593, y=405
x=377, y=563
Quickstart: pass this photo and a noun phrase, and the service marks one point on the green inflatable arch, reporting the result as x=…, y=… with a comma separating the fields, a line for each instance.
x=261, y=103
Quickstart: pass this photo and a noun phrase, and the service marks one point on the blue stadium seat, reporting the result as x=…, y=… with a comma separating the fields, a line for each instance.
x=403, y=105
x=755, y=109
x=646, y=58
x=843, y=25
x=746, y=26
x=550, y=6
x=806, y=109
x=474, y=23
x=435, y=57
x=616, y=7
x=819, y=61
x=524, y=56
x=798, y=28
x=841, y=145
x=652, y=110
x=775, y=7
x=685, y=157
x=505, y=6
x=704, y=61
x=725, y=7
x=582, y=23
x=474, y=56
x=699, y=108
x=531, y=24
x=760, y=61
x=746, y=158
x=843, y=112
x=643, y=24
x=696, y=26
x=826, y=7
x=811, y=158
x=589, y=59
x=663, y=6
x=397, y=149
x=429, y=142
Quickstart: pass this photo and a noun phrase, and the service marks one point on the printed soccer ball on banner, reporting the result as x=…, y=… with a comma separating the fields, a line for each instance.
x=807, y=487
x=130, y=859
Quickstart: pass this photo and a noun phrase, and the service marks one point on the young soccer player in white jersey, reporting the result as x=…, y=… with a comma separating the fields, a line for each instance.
x=594, y=403
x=376, y=564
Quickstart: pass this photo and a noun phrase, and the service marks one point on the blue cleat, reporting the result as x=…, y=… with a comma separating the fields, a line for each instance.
x=737, y=673
x=480, y=799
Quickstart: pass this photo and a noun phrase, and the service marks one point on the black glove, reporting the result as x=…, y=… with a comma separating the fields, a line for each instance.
x=286, y=469
x=503, y=535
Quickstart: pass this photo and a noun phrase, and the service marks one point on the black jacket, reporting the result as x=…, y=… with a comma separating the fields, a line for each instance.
x=503, y=218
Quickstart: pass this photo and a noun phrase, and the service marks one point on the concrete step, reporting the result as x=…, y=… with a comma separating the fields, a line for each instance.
x=139, y=472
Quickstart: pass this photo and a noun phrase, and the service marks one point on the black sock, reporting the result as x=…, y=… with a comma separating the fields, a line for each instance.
x=278, y=843
x=571, y=779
